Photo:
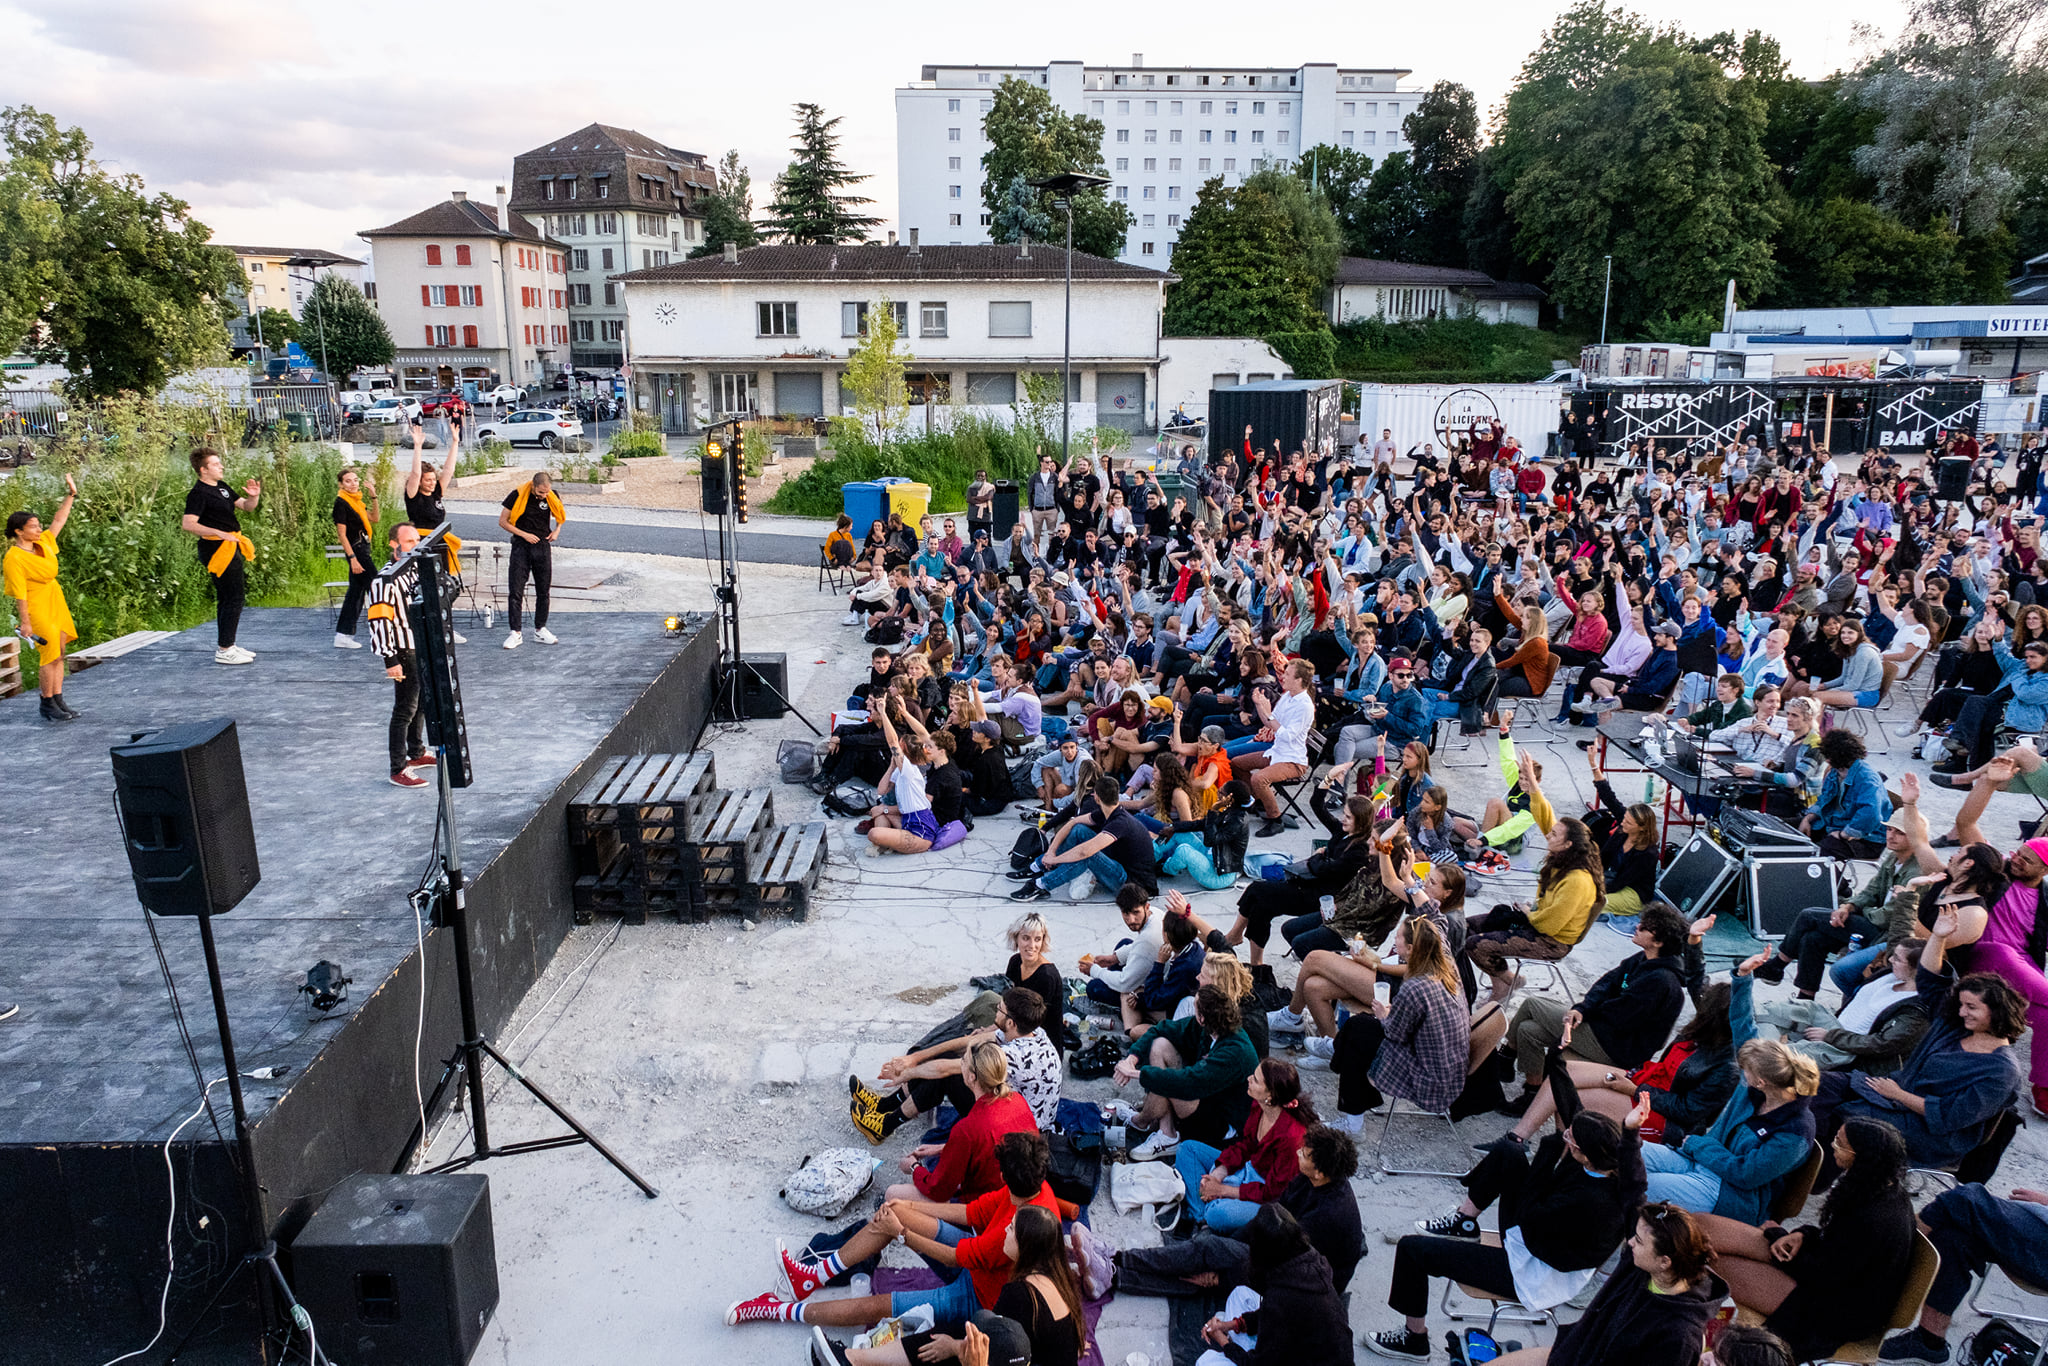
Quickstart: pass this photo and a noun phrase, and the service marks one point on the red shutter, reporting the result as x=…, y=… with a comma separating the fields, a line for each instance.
x=430, y=334
x=469, y=336
x=426, y=301
x=462, y=256
x=433, y=256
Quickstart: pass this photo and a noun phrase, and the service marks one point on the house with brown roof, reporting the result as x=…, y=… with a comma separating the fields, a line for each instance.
x=1396, y=291
x=769, y=329
x=470, y=292
x=617, y=200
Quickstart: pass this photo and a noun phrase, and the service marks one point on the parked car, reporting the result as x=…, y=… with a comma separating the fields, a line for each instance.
x=532, y=426
x=510, y=394
x=392, y=410
x=354, y=400
x=447, y=402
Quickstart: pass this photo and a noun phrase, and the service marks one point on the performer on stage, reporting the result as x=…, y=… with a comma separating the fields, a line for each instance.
x=534, y=517
x=41, y=616
x=423, y=492
x=391, y=635
x=210, y=510
x=354, y=525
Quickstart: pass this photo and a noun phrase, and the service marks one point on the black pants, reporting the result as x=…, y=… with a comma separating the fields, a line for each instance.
x=408, y=732
x=1160, y=1270
x=1944, y=705
x=1307, y=933
x=1976, y=727
x=1264, y=902
x=1357, y=1048
x=358, y=590
x=928, y=1095
x=230, y=591
x=1419, y=1256
x=1812, y=939
x=1838, y=845
x=528, y=561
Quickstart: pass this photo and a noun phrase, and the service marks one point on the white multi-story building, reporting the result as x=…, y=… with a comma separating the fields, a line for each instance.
x=471, y=293
x=1166, y=130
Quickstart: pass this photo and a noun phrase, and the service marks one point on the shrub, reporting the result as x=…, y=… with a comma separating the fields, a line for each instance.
x=1310, y=355
x=637, y=444
x=1447, y=350
x=946, y=461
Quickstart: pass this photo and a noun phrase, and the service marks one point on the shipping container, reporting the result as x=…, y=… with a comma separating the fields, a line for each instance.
x=1441, y=413
x=1298, y=413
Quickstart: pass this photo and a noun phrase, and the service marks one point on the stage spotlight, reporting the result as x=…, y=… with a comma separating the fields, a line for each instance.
x=671, y=624
x=327, y=984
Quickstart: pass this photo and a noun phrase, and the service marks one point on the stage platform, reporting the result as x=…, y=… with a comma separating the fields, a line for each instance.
x=93, y=1075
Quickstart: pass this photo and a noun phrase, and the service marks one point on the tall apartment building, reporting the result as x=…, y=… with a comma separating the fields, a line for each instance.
x=1165, y=131
x=471, y=293
x=617, y=200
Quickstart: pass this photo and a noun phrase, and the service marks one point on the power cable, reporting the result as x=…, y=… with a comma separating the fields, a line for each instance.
x=163, y=1308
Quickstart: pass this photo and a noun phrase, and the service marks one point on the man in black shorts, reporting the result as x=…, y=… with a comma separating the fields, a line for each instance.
x=210, y=515
x=534, y=517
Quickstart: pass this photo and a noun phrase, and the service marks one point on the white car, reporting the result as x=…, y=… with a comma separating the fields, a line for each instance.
x=509, y=394
x=353, y=399
x=393, y=410
x=532, y=426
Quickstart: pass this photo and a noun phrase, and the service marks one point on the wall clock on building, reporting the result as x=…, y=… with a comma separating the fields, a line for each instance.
x=665, y=313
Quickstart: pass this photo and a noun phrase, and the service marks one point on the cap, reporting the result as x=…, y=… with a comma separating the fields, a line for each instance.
x=1161, y=704
x=1400, y=663
x=987, y=729
x=1008, y=1343
x=1667, y=628
x=2040, y=848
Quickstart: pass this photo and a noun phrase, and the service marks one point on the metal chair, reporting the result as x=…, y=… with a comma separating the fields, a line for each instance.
x=1550, y=965
x=835, y=566
x=2014, y=1315
x=335, y=588
x=1289, y=792
x=1394, y=1104
x=1505, y=1307
x=1905, y=1313
x=1864, y=720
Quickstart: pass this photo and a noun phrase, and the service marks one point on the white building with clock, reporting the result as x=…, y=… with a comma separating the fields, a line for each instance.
x=767, y=330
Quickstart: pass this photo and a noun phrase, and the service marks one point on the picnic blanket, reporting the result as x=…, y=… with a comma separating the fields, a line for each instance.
x=890, y=1279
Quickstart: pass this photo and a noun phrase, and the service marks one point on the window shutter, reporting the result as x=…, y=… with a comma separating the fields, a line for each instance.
x=430, y=334
x=426, y=300
x=469, y=336
x=461, y=255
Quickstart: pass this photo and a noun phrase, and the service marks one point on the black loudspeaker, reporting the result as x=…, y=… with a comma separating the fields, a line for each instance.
x=185, y=817
x=1005, y=510
x=1952, y=478
x=763, y=683
x=1699, y=880
x=400, y=1269
x=715, y=486
x=1780, y=888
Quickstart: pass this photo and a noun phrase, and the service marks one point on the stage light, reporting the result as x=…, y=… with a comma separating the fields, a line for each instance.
x=671, y=624
x=739, y=474
x=327, y=984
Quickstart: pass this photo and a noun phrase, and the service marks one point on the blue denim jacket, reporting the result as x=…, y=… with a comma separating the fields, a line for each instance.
x=1853, y=803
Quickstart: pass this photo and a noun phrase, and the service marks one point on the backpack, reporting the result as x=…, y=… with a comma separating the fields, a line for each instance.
x=1074, y=1168
x=798, y=760
x=1998, y=1343
x=1096, y=1061
x=888, y=631
x=825, y=1184
x=1029, y=846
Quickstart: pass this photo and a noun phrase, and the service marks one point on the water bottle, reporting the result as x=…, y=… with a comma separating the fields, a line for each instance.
x=1329, y=908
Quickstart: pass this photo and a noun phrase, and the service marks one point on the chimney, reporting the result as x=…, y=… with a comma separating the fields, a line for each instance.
x=1137, y=59
x=913, y=243
x=504, y=218
x=732, y=253
x=458, y=195
x=1024, y=249
x=892, y=237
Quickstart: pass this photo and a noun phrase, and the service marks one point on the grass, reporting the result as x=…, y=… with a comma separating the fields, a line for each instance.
x=1450, y=351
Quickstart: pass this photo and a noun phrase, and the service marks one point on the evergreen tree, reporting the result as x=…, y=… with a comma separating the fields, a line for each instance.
x=1339, y=175
x=1316, y=234
x=1242, y=273
x=729, y=210
x=340, y=323
x=1030, y=136
x=1020, y=216
x=809, y=206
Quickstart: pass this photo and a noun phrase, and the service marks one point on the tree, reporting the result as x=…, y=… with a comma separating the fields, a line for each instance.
x=809, y=205
x=1339, y=176
x=1020, y=215
x=277, y=327
x=1241, y=271
x=1029, y=135
x=874, y=374
x=1316, y=234
x=120, y=287
x=1393, y=219
x=1443, y=137
x=340, y=324
x=729, y=210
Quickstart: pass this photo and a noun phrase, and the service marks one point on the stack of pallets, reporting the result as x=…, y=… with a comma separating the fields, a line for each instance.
x=655, y=833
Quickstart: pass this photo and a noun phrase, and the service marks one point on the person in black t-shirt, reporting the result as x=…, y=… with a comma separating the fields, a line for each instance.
x=210, y=515
x=424, y=488
x=354, y=523
x=534, y=517
x=1116, y=848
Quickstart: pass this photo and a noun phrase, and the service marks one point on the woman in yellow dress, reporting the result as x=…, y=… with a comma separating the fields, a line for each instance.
x=41, y=616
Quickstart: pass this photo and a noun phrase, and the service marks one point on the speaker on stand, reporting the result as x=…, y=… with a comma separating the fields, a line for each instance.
x=1952, y=478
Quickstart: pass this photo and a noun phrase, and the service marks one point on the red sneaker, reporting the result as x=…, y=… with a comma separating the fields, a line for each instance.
x=423, y=761
x=766, y=1307
x=405, y=777
x=802, y=1279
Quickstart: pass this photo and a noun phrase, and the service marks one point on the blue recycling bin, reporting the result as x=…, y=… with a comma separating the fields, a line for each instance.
x=866, y=502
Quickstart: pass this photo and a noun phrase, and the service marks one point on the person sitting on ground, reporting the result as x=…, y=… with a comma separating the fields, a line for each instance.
x=1175, y=973
x=985, y=768
x=1056, y=773
x=1629, y=848
x=1851, y=813
x=1327, y=872
x=1883, y=907
x=1107, y=841
x=963, y=1165
x=1207, y=764
x=1687, y=1084
x=1624, y=1017
x=1160, y=795
x=1569, y=894
x=1115, y=977
x=1834, y=1281
x=1416, y=1049
x=912, y=825
x=1973, y=1231
x=1030, y=963
x=970, y=1234
x=1876, y=1029
x=1320, y=1199
x=1211, y=850
x=1652, y=1312
x=1563, y=1211
x=1192, y=1072
x=1508, y=818
x=1226, y=1186
x=1289, y=1307
x=919, y=1081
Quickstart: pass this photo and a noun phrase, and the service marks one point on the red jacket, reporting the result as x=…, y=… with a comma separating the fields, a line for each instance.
x=1273, y=1156
x=967, y=1164
x=981, y=1252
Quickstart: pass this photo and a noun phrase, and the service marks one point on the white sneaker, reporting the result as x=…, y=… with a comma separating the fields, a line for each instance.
x=546, y=637
x=1905, y=730
x=233, y=655
x=513, y=641
x=460, y=639
x=851, y=619
x=342, y=642
x=1319, y=1047
x=1285, y=1021
x=1155, y=1148
x=1347, y=1124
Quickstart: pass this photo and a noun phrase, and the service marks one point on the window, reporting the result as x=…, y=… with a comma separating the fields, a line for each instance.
x=1009, y=319
x=1258, y=135
x=601, y=187
x=1393, y=111
x=987, y=105
x=607, y=255
x=1205, y=106
x=583, y=332
x=952, y=163
x=983, y=78
x=444, y=336
x=611, y=294
x=1206, y=135
x=1367, y=138
x=1095, y=106
x=579, y=259
x=547, y=187
x=1151, y=192
x=607, y=223
x=1350, y=108
x=1258, y=106
x=1151, y=106
x=1173, y=192
x=1173, y=220
x=650, y=224
x=1347, y=137
x=1173, y=163
x=1123, y=106
x=1145, y=249
x=952, y=220
x=568, y=184
x=615, y=330
x=255, y=267
x=1172, y=106
x=1202, y=163
x=1230, y=135
x=433, y=255
x=1146, y=221
x=1123, y=135
x=472, y=296
x=1370, y=109
x=1285, y=107
x=952, y=135
x=988, y=219
x=1230, y=163
x=931, y=320
x=775, y=320
x=469, y=336
x=579, y=295
x=1151, y=163
x=952, y=106
x=952, y=192
x=1151, y=135
x=1123, y=192
x=1123, y=163
x=1230, y=106
x=853, y=318
x=1281, y=136
x=1173, y=135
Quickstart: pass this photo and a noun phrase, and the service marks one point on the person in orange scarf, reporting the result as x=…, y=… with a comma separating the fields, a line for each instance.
x=210, y=510
x=424, y=490
x=534, y=517
x=41, y=616
x=354, y=524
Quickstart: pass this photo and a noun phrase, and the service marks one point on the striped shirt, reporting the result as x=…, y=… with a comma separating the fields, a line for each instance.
x=390, y=627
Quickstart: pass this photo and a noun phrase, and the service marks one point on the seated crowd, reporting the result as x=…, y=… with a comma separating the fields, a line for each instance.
x=1161, y=679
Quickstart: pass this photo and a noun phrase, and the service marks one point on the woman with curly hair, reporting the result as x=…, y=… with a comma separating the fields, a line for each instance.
x=1570, y=892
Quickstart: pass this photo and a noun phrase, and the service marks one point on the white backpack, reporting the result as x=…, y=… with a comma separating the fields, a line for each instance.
x=828, y=1182
x=1154, y=1187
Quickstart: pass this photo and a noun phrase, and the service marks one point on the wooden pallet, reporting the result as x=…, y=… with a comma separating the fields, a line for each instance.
x=720, y=823
x=625, y=895
x=632, y=802
x=10, y=666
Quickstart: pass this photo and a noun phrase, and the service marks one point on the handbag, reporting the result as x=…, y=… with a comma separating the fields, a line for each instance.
x=1074, y=1168
x=1998, y=1343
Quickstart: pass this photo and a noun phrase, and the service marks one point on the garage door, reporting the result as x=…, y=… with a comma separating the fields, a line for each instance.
x=800, y=393
x=995, y=386
x=1120, y=401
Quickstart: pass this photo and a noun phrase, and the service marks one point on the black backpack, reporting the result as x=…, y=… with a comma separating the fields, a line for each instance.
x=1029, y=846
x=1998, y=1343
x=1097, y=1060
x=888, y=631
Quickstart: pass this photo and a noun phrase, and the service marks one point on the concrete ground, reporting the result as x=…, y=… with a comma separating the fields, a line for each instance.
x=714, y=1058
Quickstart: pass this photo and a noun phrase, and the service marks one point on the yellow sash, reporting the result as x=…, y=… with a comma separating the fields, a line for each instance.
x=355, y=501
x=225, y=554
x=524, y=492
x=453, y=543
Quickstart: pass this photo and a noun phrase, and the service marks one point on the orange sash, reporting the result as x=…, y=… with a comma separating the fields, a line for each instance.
x=225, y=555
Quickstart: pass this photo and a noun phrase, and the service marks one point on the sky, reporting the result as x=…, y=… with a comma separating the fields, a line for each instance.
x=301, y=126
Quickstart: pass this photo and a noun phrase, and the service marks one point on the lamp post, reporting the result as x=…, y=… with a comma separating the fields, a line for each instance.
x=1064, y=187
x=1606, y=293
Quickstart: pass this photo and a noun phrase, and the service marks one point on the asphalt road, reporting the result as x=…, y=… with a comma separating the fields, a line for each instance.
x=754, y=547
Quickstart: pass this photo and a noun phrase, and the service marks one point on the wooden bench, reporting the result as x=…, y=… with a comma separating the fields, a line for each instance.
x=115, y=648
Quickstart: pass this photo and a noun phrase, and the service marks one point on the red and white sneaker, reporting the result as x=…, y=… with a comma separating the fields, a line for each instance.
x=801, y=1279
x=405, y=777
x=424, y=761
x=766, y=1307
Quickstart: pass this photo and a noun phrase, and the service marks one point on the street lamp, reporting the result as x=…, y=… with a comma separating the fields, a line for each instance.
x=1606, y=294
x=319, y=318
x=1064, y=187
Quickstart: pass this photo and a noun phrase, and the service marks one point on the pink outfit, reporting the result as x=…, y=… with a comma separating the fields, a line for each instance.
x=2003, y=950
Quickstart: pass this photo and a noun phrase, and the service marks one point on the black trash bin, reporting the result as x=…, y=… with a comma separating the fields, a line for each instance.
x=1005, y=509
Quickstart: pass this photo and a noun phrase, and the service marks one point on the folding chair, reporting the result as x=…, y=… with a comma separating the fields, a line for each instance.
x=335, y=588
x=1906, y=1312
x=1863, y=720
x=1289, y=792
x=2014, y=1315
x=1798, y=1187
x=1505, y=1307
x=1394, y=1104
x=835, y=566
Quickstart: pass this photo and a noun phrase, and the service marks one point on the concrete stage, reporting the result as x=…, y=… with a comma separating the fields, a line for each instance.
x=93, y=1075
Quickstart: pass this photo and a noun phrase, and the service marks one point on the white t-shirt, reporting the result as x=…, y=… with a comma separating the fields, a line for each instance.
x=909, y=788
x=1911, y=636
x=1860, y=1014
x=1293, y=715
x=1035, y=1074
